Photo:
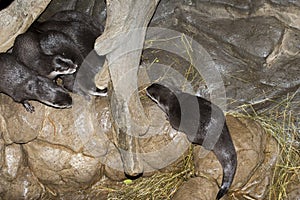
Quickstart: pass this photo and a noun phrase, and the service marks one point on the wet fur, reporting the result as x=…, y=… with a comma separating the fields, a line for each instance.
x=23, y=84
x=193, y=116
x=50, y=53
x=83, y=30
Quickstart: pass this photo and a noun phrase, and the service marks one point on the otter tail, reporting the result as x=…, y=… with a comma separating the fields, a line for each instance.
x=229, y=168
x=226, y=154
x=226, y=182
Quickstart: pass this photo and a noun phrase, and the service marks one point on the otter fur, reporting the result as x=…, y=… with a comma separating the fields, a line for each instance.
x=83, y=30
x=23, y=84
x=50, y=53
x=196, y=117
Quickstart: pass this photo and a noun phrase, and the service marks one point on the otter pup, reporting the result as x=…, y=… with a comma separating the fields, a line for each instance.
x=23, y=84
x=50, y=53
x=199, y=119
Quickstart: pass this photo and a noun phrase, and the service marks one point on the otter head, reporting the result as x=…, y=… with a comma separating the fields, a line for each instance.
x=160, y=95
x=46, y=91
x=62, y=66
x=65, y=55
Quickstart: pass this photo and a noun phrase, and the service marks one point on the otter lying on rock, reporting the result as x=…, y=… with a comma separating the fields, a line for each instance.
x=201, y=121
x=23, y=84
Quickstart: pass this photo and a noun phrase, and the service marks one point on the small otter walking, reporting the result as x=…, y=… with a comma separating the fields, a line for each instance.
x=198, y=118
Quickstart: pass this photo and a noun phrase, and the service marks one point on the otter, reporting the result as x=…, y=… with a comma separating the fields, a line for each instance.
x=72, y=15
x=23, y=84
x=196, y=117
x=50, y=53
x=83, y=33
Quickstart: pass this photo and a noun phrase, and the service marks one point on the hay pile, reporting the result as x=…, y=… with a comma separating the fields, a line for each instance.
x=282, y=123
x=159, y=186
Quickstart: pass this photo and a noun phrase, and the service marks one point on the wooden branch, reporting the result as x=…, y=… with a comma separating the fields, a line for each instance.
x=122, y=43
x=16, y=19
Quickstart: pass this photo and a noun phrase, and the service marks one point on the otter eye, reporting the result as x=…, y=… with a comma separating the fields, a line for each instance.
x=30, y=86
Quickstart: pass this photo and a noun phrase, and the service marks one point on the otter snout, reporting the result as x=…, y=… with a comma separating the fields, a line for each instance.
x=59, y=100
x=52, y=94
x=62, y=100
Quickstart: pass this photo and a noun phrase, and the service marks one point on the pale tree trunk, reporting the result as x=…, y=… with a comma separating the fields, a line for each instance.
x=122, y=43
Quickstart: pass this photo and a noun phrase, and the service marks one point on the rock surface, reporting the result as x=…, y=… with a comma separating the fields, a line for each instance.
x=197, y=189
x=16, y=18
x=253, y=44
x=255, y=162
x=255, y=47
x=63, y=161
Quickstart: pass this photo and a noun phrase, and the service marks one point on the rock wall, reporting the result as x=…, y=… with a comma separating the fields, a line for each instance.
x=255, y=47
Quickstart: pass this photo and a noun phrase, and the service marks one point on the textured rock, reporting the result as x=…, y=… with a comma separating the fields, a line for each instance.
x=258, y=185
x=287, y=14
x=284, y=74
x=16, y=18
x=96, y=8
x=13, y=161
x=293, y=192
x=61, y=169
x=249, y=42
x=255, y=166
x=254, y=45
x=286, y=3
x=25, y=186
x=198, y=188
x=31, y=123
x=17, y=181
x=162, y=145
x=55, y=153
x=256, y=36
x=2, y=152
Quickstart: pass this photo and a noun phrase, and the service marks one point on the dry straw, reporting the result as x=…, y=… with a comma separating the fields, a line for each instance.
x=282, y=123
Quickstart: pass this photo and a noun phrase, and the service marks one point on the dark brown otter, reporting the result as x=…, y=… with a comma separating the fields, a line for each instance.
x=204, y=124
x=50, y=54
x=23, y=84
x=83, y=30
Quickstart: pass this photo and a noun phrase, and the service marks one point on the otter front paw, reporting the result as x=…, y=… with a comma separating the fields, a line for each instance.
x=28, y=106
x=100, y=92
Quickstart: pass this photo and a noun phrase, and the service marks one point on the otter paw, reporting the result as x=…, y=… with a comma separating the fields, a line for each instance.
x=99, y=92
x=28, y=107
